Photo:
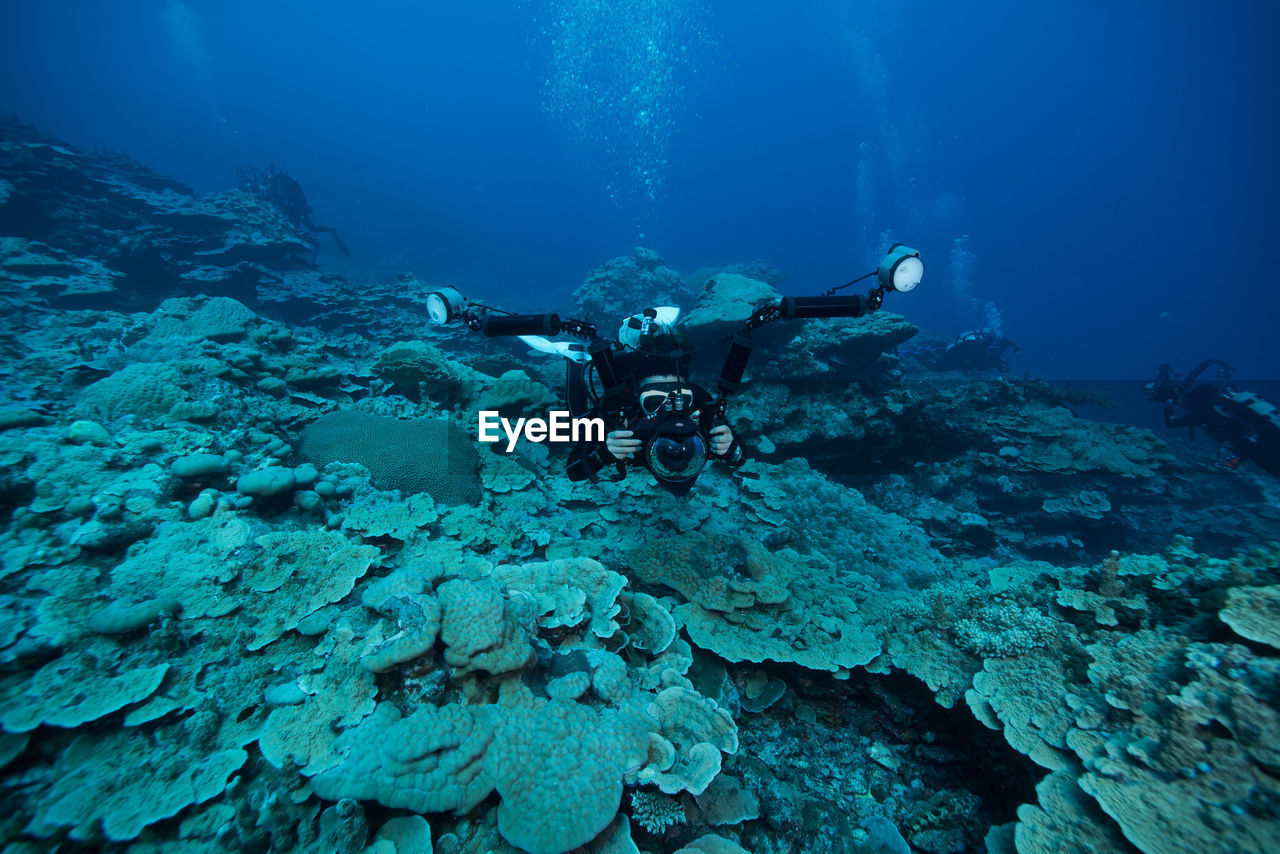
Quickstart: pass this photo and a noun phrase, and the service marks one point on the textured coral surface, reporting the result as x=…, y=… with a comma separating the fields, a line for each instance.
x=260, y=590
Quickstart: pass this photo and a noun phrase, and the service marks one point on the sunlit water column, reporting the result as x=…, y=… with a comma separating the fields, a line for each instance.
x=615, y=77
x=183, y=26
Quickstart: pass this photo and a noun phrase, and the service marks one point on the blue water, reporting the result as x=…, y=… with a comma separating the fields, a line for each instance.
x=1102, y=174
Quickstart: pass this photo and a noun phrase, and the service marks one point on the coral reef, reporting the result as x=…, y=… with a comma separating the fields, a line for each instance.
x=424, y=455
x=81, y=228
x=259, y=590
x=625, y=285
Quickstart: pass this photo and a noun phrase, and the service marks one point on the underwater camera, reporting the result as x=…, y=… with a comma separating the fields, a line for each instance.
x=673, y=447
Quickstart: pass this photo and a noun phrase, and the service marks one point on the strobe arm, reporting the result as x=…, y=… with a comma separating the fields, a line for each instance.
x=735, y=363
x=787, y=308
x=790, y=308
x=826, y=305
x=799, y=308
x=448, y=304
x=1224, y=372
x=497, y=325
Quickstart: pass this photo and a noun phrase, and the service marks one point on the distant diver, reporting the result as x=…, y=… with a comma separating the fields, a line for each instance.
x=1243, y=424
x=283, y=190
x=977, y=350
x=638, y=385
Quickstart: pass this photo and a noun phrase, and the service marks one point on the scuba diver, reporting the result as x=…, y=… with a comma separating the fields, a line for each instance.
x=656, y=357
x=977, y=350
x=283, y=190
x=1242, y=423
x=638, y=385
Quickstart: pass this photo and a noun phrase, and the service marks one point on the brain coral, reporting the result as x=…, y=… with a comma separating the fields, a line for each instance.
x=419, y=370
x=214, y=318
x=145, y=389
x=417, y=455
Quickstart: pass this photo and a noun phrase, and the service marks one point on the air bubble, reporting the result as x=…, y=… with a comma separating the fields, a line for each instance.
x=616, y=79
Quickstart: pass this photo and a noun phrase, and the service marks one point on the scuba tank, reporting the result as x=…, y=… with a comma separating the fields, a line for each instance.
x=1257, y=415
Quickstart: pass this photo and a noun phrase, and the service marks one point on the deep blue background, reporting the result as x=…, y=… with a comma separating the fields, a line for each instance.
x=1113, y=164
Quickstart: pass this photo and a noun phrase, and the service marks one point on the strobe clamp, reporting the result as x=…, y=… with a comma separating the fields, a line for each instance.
x=583, y=329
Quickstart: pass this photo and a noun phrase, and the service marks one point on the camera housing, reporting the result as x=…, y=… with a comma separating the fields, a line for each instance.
x=674, y=447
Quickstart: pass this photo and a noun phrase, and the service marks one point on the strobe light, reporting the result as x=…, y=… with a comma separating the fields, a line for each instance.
x=901, y=270
x=444, y=305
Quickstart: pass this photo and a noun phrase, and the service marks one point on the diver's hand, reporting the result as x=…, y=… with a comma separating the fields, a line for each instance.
x=621, y=445
x=721, y=439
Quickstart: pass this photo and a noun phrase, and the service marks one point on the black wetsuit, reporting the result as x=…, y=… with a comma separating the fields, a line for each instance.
x=973, y=351
x=286, y=193
x=983, y=351
x=283, y=190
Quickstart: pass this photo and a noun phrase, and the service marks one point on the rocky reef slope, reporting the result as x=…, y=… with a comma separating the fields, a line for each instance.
x=261, y=591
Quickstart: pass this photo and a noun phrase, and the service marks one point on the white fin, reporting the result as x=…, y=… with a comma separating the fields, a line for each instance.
x=537, y=342
x=663, y=315
x=567, y=349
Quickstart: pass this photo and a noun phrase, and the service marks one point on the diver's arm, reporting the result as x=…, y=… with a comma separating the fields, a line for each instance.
x=586, y=460
x=724, y=444
x=331, y=231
